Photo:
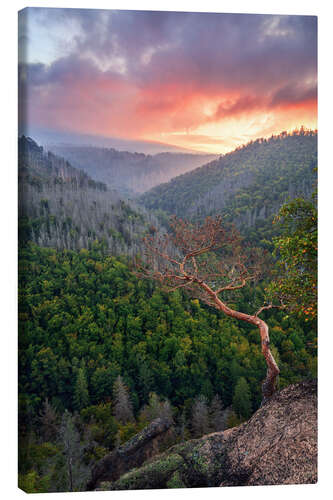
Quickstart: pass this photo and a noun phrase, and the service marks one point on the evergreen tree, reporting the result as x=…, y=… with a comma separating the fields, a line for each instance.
x=81, y=394
x=297, y=250
x=241, y=401
x=122, y=405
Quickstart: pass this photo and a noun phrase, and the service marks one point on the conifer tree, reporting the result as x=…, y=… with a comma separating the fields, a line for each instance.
x=241, y=401
x=122, y=405
x=81, y=394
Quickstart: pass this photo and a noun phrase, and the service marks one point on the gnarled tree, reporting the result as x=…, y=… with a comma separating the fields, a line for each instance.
x=209, y=260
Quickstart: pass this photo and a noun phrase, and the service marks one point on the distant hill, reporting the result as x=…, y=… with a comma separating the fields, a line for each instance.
x=129, y=173
x=62, y=207
x=247, y=185
x=48, y=137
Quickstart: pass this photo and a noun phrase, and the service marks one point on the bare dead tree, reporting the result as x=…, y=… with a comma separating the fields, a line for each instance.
x=209, y=260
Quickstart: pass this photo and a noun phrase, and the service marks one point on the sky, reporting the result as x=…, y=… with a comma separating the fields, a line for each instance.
x=202, y=81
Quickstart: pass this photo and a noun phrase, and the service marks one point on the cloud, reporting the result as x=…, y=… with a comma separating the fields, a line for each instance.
x=139, y=74
x=291, y=94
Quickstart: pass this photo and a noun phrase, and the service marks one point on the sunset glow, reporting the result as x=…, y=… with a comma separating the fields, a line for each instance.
x=207, y=82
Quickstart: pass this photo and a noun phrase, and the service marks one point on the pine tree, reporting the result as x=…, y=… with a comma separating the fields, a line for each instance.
x=146, y=379
x=241, y=401
x=122, y=405
x=200, y=418
x=81, y=394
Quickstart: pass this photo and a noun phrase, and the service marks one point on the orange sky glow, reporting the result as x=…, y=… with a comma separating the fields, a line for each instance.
x=204, y=82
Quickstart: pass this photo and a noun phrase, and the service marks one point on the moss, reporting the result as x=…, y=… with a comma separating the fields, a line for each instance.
x=152, y=475
x=196, y=463
x=200, y=462
x=175, y=481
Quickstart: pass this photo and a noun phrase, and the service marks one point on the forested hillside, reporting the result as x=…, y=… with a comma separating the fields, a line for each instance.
x=247, y=186
x=85, y=319
x=62, y=207
x=103, y=352
x=130, y=173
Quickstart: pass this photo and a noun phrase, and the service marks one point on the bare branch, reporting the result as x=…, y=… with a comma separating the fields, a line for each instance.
x=231, y=286
x=268, y=306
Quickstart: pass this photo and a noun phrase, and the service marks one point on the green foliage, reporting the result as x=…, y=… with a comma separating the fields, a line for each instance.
x=246, y=186
x=241, y=401
x=85, y=319
x=101, y=424
x=296, y=250
x=81, y=394
x=31, y=482
x=126, y=432
x=86, y=307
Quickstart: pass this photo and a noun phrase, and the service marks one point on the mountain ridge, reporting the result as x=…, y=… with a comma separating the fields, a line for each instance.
x=52, y=137
x=61, y=206
x=128, y=172
x=246, y=186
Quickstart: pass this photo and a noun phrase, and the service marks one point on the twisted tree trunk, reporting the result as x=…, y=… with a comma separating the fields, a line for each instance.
x=269, y=384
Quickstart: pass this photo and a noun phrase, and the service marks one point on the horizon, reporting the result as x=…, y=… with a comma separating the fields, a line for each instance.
x=301, y=129
x=205, y=82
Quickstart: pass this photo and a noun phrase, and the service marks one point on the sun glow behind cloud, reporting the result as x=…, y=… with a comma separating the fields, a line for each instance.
x=227, y=134
x=208, y=82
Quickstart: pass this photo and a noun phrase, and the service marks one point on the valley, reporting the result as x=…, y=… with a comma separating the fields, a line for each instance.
x=90, y=327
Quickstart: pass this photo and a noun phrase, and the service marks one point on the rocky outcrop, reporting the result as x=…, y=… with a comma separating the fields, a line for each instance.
x=278, y=445
x=135, y=452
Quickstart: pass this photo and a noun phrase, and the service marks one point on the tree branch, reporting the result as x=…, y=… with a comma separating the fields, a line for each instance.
x=268, y=306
